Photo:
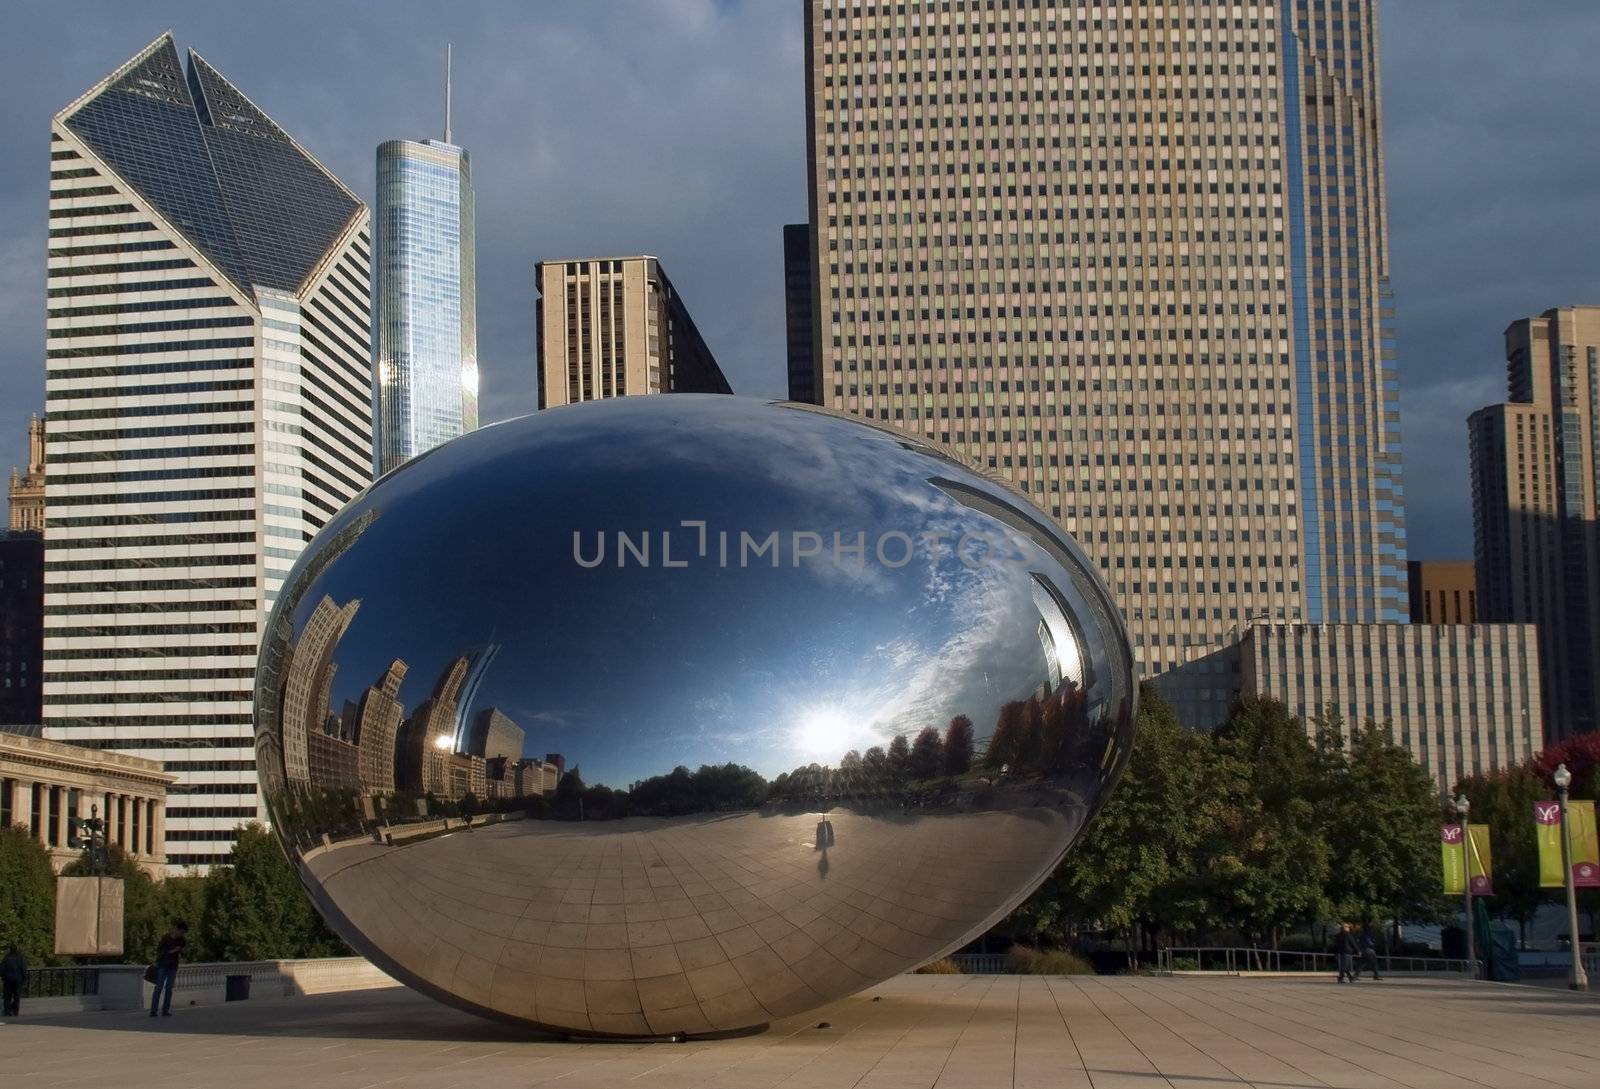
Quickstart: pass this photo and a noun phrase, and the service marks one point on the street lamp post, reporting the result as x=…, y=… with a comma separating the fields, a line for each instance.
x=1577, y=978
x=1463, y=807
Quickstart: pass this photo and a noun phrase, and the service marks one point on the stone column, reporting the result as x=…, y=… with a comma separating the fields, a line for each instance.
x=158, y=825
x=22, y=802
x=61, y=816
x=41, y=819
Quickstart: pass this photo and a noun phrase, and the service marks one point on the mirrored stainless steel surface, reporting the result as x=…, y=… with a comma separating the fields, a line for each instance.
x=678, y=714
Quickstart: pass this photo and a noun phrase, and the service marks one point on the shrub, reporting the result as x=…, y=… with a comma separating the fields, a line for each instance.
x=944, y=966
x=1021, y=960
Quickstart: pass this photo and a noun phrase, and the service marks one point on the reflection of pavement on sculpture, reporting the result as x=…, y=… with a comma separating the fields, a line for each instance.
x=631, y=927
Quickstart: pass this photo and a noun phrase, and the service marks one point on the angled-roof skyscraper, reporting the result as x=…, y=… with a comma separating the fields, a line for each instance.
x=208, y=396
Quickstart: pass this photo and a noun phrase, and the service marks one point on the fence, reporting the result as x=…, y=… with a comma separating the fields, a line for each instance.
x=70, y=982
x=1236, y=960
x=122, y=986
x=981, y=964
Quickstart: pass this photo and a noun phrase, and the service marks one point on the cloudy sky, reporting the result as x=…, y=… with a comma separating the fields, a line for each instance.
x=676, y=127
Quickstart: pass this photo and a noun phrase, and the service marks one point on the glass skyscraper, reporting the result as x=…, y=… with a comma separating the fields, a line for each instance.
x=1134, y=257
x=426, y=362
x=208, y=394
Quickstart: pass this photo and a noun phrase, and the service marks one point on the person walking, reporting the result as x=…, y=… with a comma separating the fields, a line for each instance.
x=1345, y=948
x=1369, y=954
x=168, y=953
x=13, y=974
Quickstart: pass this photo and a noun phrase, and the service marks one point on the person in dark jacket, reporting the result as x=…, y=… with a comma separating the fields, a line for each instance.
x=1369, y=954
x=13, y=973
x=168, y=953
x=1345, y=948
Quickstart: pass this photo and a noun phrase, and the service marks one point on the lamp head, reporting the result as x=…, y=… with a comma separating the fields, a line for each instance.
x=1462, y=804
x=1562, y=777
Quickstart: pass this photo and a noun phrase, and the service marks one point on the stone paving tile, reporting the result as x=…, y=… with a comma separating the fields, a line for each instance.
x=914, y=1032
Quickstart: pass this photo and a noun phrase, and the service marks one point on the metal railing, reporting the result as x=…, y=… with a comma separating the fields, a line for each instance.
x=980, y=964
x=1236, y=960
x=68, y=982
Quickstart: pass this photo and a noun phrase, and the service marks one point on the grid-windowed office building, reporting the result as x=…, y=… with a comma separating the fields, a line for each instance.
x=1134, y=257
x=1535, y=485
x=615, y=327
x=427, y=324
x=208, y=397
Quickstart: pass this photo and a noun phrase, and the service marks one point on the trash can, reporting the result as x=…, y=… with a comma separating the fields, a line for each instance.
x=237, y=989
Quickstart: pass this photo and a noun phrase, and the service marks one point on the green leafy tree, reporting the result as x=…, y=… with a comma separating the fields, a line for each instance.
x=1383, y=820
x=256, y=908
x=1122, y=873
x=27, y=895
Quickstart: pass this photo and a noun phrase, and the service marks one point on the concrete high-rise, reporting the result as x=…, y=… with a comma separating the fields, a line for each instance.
x=25, y=494
x=1442, y=591
x=426, y=332
x=1134, y=257
x=613, y=327
x=1535, y=477
x=208, y=398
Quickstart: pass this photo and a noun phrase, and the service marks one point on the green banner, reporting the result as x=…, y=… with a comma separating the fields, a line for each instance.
x=1450, y=851
x=1547, y=828
x=1482, y=866
x=1585, y=845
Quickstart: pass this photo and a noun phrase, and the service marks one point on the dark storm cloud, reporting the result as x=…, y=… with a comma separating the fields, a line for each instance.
x=677, y=128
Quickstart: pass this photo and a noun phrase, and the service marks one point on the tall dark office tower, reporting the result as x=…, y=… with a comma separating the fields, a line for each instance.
x=21, y=628
x=1132, y=256
x=1535, y=500
x=797, y=319
x=208, y=398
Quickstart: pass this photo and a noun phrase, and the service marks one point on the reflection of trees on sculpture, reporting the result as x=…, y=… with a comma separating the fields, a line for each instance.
x=959, y=742
x=1035, y=736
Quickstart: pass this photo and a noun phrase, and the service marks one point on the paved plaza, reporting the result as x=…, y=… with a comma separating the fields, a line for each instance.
x=914, y=1031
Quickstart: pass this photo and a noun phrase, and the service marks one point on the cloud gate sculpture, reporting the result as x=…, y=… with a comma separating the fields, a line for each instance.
x=674, y=715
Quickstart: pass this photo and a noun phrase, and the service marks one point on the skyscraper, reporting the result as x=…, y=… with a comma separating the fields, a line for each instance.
x=21, y=628
x=208, y=397
x=1535, y=478
x=25, y=495
x=427, y=321
x=615, y=326
x=1132, y=256
x=797, y=311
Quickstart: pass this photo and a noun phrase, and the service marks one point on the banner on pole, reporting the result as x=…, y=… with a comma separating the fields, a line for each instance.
x=1547, y=828
x=1585, y=845
x=1450, y=850
x=1482, y=865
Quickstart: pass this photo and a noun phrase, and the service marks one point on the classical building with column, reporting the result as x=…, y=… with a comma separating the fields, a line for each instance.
x=45, y=783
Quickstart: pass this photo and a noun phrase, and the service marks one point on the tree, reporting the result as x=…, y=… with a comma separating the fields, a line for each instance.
x=1383, y=816
x=1005, y=747
x=27, y=894
x=899, y=758
x=256, y=908
x=1124, y=869
x=1504, y=801
x=926, y=759
x=958, y=746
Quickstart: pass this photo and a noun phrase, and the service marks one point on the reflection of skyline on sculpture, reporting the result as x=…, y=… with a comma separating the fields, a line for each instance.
x=373, y=748
x=741, y=700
